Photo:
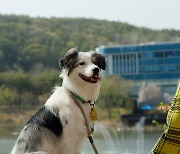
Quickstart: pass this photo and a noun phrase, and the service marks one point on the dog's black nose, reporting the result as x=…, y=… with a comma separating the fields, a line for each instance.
x=95, y=71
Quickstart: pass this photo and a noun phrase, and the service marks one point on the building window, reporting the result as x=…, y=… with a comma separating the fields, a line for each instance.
x=169, y=54
x=159, y=54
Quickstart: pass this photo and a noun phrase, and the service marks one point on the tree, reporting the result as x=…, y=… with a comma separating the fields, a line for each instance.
x=45, y=81
x=25, y=41
x=29, y=85
x=6, y=96
x=114, y=93
x=150, y=93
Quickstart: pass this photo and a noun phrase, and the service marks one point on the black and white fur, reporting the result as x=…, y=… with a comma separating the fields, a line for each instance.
x=59, y=126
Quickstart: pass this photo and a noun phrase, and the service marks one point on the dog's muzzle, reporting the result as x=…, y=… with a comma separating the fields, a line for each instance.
x=91, y=79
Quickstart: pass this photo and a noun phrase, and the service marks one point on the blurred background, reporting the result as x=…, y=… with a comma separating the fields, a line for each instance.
x=141, y=42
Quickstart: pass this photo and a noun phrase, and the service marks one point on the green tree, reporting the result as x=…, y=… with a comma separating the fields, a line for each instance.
x=25, y=41
x=114, y=93
x=6, y=95
x=45, y=81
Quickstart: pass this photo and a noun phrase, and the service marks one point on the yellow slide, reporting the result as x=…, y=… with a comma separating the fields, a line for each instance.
x=169, y=142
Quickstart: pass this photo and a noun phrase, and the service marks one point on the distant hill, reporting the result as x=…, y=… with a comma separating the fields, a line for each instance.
x=29, y=44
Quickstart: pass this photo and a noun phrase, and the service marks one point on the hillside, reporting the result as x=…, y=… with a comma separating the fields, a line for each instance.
x=30, y=49
x=30, y=44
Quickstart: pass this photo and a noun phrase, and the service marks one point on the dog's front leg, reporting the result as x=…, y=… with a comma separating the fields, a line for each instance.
x=38, y=152
x=71, y=150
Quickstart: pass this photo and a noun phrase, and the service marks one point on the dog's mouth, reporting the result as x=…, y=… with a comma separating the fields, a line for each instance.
x=92, y=79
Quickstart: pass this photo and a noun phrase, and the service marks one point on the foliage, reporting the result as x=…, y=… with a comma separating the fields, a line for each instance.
x=27, y=42
x=153, y=94
x=6, y=95
x=115, y=94
x=30, y=49
x=26, y=88
x=150, y=92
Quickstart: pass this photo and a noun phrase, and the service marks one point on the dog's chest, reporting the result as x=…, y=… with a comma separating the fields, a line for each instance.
x=76, y=118
x=75, y=130
x=72, y=119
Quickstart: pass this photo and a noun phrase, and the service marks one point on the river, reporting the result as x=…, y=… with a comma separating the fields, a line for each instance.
x=111, y=141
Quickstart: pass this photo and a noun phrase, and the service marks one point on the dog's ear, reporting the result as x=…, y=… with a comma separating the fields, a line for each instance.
x=98, y=60
x=69, y=60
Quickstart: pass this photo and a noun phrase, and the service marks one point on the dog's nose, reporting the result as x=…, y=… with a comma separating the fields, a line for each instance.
x=95, y=71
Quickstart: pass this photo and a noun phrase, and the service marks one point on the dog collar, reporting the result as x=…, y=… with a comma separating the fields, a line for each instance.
x=80, y=98
x=93, y=113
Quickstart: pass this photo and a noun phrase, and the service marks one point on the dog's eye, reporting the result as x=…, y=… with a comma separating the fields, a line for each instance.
x=82, y=63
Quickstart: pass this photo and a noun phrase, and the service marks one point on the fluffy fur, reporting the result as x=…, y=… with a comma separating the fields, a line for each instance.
x=59, y=126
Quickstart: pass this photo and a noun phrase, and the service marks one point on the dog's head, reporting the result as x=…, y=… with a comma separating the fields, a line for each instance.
x=83, y=65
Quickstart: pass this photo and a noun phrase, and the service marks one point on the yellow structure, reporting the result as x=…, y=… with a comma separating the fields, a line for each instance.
x=169, y=142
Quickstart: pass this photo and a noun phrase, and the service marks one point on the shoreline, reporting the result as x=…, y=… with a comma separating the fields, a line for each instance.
x=109, y=125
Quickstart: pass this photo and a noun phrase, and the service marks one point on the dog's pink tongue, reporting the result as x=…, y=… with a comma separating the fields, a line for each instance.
x=94, y=78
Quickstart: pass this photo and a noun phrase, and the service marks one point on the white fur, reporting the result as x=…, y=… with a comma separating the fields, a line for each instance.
x=87, y=91
x=74, y=128
x=75, y=131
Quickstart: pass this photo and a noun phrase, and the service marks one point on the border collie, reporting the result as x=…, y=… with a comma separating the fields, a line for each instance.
x=59, y=126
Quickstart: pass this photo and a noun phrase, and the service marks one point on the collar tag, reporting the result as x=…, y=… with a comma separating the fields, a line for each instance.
x=93, y=113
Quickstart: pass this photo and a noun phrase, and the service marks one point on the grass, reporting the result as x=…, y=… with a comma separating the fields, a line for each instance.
x=13, y=119
x=113, y=114
x=5, y=132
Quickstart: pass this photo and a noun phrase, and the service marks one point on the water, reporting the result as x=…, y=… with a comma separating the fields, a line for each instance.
x=6, y=144
x=127, y=142
x=111, y=141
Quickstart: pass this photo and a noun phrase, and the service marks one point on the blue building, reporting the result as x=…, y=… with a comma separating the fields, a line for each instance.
x=154, y=62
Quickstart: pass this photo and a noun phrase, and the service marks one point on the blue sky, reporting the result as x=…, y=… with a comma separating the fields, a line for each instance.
x=155, y=14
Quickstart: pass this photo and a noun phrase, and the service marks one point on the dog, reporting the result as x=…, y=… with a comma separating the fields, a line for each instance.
x=59, y=126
